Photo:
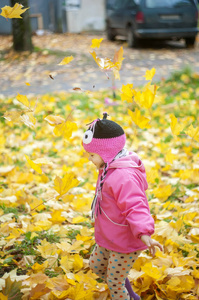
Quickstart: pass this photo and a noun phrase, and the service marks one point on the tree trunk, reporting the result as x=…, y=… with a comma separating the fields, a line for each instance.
x=21, y=30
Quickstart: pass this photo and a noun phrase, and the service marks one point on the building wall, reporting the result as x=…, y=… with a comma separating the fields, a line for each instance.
x=61, y=16
x=89, y=16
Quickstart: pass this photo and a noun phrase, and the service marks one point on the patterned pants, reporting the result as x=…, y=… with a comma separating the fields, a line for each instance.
x=113, y=267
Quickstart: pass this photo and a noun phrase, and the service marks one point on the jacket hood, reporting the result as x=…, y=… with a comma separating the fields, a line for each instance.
x=131, y=161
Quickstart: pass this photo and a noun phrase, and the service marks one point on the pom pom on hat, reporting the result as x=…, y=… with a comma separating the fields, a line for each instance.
x=104, y=137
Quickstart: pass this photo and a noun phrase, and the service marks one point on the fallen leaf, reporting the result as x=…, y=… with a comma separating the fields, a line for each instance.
x=66, y=60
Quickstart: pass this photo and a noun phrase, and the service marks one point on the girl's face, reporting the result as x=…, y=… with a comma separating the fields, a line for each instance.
x=96, y=160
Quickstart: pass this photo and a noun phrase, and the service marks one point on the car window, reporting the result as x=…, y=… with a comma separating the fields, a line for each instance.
x=122, y=3
x=168, y=3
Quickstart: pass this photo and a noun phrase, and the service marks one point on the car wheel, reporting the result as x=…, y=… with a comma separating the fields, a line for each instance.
x=109, y=33
x=132, y=41
x=190, y=42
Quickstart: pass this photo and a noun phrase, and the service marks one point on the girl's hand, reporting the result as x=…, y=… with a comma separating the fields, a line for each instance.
x=147, y=240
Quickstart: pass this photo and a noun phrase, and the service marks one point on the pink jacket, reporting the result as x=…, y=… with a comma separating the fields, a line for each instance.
x=125, y=214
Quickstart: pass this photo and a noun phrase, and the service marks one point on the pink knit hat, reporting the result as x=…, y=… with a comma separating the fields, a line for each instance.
x=104, y=137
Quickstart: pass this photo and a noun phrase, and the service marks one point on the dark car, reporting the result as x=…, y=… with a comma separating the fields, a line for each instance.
x=152, y=19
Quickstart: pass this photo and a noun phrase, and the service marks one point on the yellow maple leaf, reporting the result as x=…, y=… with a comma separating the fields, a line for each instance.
x=65, y=129
x=78, y=219
x=153, y=175
x=33, y=165
x=56, y=217
x=13, y=12
x=3, y=297
x=138, y=119
x=59, y=283
x=146, y=98
x=127, y=92
x=66, y=263
x=96, y=43
x=64, y=246
x=153, y=271
x=37, y=268
x=89, y=278
x=170, y=157
x=66, y=60
x=80, y=293
x=12, y=116
x=78, y=262
x=103, y=63
x=176, y=128
x=14, y=233
x=149, y=74
x=193, y=132
x=23, y=99
x=61, y=295
x=54, y=120
x=62, y=186
x=36, y=204
x=42, y=225
x=47, y=249
x=182, y=284
x=163, y=192
x=117, y=60
x=28, y=119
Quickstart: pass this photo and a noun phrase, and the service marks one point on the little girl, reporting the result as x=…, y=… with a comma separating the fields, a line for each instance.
x=123, y=223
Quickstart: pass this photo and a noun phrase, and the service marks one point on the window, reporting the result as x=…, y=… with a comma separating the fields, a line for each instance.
x=119, y=4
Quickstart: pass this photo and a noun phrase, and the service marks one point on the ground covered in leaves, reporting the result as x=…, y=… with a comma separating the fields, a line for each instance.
x=47, y=185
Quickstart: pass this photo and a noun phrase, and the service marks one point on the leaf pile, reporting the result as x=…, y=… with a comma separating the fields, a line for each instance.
x=47, y=185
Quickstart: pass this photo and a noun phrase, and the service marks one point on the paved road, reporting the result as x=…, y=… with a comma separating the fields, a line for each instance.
x=83, y=72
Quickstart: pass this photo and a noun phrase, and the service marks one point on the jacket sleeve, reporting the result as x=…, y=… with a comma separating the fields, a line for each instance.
x=130, y=197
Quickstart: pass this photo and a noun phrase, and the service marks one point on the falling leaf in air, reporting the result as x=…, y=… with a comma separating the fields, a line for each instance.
x=28, y=119
x=149, y=74
x=96, y=43
x=145, y=99
x=77, y=89
x=12, y=116
x=13, y=12
x=54, y=120
x=65, y=129
x=103, y=63
x=50, y=75
x=127, y=92
x=138, y=119
x=24, y=100
x=117, y=60
x=62, y=127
